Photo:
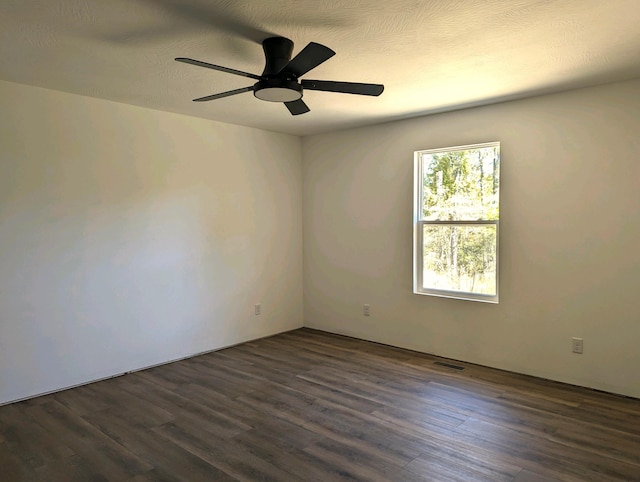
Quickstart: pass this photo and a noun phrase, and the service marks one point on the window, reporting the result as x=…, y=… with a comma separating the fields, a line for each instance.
x=456, y=222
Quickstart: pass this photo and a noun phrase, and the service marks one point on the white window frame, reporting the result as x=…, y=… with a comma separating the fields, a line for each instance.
x=418, y=232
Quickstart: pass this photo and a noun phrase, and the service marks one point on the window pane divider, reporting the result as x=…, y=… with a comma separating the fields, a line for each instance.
x=466, y=223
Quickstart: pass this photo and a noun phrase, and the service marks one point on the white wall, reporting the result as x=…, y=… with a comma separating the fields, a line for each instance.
x=569, y=237
x=129, y=237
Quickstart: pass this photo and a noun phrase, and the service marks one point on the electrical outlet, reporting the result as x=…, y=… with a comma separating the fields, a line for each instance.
x=365, y=310
x=576, y=345
x=257, y=309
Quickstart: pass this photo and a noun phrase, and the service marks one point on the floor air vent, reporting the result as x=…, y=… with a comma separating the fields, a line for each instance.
x=448, y=365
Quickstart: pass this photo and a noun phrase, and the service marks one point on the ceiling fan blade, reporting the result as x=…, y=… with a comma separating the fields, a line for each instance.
x=308, y=58
x=297, y=107
x=223, y=94
x=343, y=87
x=217, y=67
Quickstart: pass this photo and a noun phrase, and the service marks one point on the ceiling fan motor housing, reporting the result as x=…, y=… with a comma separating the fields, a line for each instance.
x=277, y=53
x=277, y=86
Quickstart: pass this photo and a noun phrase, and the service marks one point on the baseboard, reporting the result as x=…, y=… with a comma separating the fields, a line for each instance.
x=446, y=359
x=134, y=370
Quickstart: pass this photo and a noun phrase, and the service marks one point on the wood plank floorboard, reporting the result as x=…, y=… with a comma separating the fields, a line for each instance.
x=313, y=406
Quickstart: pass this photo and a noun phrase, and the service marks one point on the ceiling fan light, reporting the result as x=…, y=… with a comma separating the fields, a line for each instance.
x=278, y=94
x=277, y=90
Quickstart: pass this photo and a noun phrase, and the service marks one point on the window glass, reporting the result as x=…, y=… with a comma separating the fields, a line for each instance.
x=457, y=213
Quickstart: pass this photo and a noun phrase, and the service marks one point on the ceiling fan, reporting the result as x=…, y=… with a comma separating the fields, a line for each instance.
x=280, y=80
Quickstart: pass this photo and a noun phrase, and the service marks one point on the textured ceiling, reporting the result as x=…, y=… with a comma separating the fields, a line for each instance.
x=431, y=55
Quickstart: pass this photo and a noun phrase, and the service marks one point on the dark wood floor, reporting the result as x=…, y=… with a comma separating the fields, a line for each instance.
x=307, y=405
